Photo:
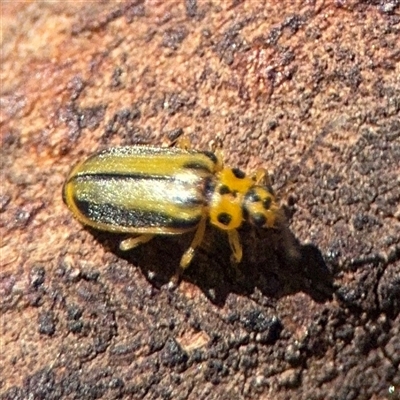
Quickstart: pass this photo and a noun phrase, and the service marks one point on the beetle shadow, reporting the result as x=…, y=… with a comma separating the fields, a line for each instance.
x=274, y=262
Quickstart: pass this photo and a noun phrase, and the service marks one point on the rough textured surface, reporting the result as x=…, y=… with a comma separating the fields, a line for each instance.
x=309, y=90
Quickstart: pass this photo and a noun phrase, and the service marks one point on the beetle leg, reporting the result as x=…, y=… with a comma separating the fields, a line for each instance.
x=132, y=242
x=183, y=143
x=236, y=247
x=198, y=238
x=261, y=177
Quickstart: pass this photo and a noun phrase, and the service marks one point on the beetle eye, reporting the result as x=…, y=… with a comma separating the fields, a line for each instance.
x=267, y=203
x=253, y=197
x=259, y=219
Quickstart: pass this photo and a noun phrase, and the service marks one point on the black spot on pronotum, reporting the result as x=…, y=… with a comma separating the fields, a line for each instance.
x=223, y=189
x=267, y=203
x=259, y=219
x=238, y=173
x=224, y=218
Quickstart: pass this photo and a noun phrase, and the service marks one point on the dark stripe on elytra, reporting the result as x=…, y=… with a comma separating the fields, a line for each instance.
x=121, y=176
x=196, y=165
x=209, y=187
x=189, y=202
x=64, y=194
x=211, y=156
x=117, y=216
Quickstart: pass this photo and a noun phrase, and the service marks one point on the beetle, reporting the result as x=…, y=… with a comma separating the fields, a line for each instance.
x=146, y=191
